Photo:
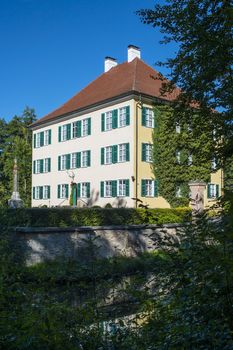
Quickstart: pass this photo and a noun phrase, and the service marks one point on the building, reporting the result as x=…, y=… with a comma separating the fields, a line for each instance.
x=97, y=147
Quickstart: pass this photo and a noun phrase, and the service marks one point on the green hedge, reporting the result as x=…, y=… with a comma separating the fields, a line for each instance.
x=65, y=217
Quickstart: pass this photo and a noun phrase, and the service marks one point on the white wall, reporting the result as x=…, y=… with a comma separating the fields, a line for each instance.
x=96, y=172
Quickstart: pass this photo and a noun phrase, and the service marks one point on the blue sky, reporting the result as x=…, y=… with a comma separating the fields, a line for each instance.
x=51, y=49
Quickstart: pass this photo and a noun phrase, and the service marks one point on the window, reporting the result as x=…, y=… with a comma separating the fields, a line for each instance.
x=178, y=153
x=149, y=188
x=214, y=163
x=63, y=162
x=84, y=159
x=37, y=170
x=190, y=159
x=46, y=165
x=37, y=192
x=46, y=137
x=177, y=128
x=64, y=133
x=46, y=192
x=147, y=117
x=122, y=117
x=85, y=127
x=37, y=140
x=212, y=191
x=108, y=188
x=147, y=152
x=108, y=121
x=178, y=192
x=73, y=160
x=122, y=188
x=74, y=130
x=63, y=191
x=122, y=152
x=108, y=155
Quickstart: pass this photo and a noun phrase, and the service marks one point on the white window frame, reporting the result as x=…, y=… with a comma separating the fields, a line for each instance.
x=214, y=163
x=178, y=154
x=149, y=153
x=122, y=152
x=64, y=132
x=46, y=165
x=37, y=192
x=108, y=189
x=149, y=188
x=108, y=155
x=74, y=130
x=73, y=160
x=45, y=192
x=178, y=192
x=84, y=128
x=46, y=137
x=83, y=189
x=37, y=167
x=149, y=118
x=63, y=191
x=121, y=188
x=108, y=120
x=84, y=159
x=63, y=162
x=178, y=128
x=190, y=159
x=38, y=140
x=213, y=191
x=122, y=117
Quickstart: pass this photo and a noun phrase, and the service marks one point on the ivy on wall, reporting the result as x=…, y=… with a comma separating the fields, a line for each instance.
x=182, y=152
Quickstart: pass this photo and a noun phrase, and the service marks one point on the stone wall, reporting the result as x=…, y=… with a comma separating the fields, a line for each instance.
x=40, y=244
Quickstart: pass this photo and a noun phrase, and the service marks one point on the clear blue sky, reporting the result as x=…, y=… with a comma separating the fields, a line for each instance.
x=51, y=49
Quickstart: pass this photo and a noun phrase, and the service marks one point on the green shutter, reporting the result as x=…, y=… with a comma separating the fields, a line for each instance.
x=48, y=192
x=102, y=155
x=68, y=131
x=41, y=165
x=115, y=119
x=78, y=159
x=217, y=191
x=114, y=153
x=143, y=152
x=41, y=139
x=59, y=135
x=33, y=193
x=208, y=191
x=88, y=190
x=127, y=152
x=156, y=188
x=41, y=192
x=67, y=161
x=50, y=136
x=143, y=116
x=79, y=128
x=102, y=189
x=88, y=158
x=34, y=136
x=58, y=191
x=103, y=122
x=67, y=191
x=49, y=164
x=59, y=162
x=143, y=188
x=89, y=126
x=114, y=188
x=79, y=190
x=127, y=115
x=127, y=187
x=34, y=166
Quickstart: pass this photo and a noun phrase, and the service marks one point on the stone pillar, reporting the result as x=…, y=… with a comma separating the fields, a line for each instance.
x=197, y=196
x=15, y=201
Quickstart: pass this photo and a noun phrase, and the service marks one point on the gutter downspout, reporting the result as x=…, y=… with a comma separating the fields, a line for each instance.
x=138, y=105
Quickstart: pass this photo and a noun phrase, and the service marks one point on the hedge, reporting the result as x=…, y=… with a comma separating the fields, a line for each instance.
x=68, y=217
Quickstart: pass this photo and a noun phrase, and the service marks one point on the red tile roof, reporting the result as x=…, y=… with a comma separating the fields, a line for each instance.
x=134, y=76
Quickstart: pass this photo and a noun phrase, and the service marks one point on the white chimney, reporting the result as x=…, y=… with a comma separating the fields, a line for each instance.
x=109, y=63
x=133, y=52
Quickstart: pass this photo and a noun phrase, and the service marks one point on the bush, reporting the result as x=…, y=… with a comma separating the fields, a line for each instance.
x=68, y=217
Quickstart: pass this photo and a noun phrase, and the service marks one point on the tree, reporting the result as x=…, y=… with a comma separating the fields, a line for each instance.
x=202, y=67
x=16, y=142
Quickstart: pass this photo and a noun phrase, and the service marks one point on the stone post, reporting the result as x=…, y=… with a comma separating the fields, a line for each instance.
x=197, y=196
x=15, y=201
